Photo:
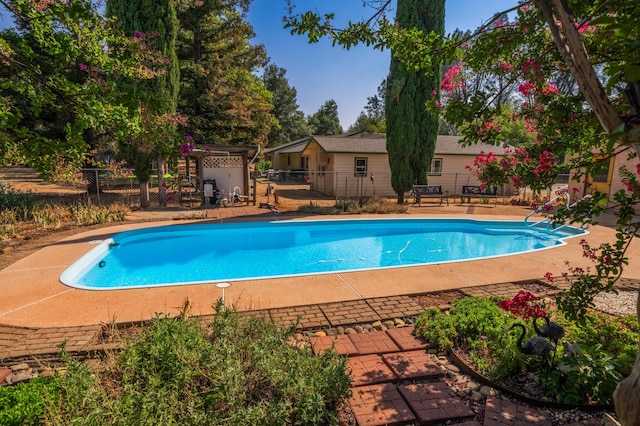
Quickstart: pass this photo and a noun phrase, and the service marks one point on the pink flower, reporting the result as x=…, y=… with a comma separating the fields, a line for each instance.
x=137, y=34
x=549, y=89
x=531, y=66
x=526, y=88
x=452, y=79
x=185, y=149
x=82, y=66
x=506, y=67
x=549, y=276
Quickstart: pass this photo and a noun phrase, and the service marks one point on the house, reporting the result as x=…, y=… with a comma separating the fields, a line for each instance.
x=358, y=165
x=606, y=180
x=288, y=157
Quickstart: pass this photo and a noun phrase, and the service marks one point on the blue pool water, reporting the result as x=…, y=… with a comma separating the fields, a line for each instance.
x=198, y=253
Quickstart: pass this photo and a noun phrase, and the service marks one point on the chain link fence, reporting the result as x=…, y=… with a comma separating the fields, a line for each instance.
x=100, y=186
x=89, y=185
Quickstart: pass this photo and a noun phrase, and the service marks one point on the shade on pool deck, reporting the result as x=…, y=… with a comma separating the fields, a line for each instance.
x=32, y=295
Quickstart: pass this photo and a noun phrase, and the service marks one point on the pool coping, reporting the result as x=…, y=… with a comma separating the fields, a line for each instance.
x=34, y=297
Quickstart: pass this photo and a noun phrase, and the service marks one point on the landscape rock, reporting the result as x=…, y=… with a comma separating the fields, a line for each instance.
x=476, y=396
x=20, y=377
x=19, y=367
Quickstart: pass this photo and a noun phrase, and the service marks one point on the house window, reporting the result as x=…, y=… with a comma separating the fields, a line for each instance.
x=360, y=166
x=435, y=169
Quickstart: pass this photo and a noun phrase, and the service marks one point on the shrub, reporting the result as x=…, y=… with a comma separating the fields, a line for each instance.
x=480, y=327
x=48, y=216
x=238, y=371
x=24, y=403
x=18, y=201
x=588, y=378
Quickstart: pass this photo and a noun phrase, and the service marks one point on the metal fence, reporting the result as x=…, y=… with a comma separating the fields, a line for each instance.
x=99, y=186
x=341, y=185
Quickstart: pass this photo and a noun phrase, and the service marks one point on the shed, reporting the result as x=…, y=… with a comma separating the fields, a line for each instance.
x=214, y=173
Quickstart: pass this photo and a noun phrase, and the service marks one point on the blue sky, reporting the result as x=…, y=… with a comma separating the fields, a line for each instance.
x=320, y=72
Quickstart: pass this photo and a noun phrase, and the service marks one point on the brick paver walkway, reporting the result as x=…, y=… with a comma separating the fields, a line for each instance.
x=405, y=386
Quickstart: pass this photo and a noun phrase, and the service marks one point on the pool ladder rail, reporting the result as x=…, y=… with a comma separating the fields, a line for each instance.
x=564, y=193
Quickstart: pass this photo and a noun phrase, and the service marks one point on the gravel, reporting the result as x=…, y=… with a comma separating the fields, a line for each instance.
x=623, y=303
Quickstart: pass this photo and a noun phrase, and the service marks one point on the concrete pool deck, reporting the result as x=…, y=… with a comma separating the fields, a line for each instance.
x=32, y=295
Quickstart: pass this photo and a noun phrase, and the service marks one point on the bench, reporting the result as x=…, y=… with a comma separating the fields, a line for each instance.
x=429, y=191
x=476, y=191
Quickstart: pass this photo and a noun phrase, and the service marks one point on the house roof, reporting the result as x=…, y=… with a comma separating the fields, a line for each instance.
x=296, y=146
x=373, y=143
x=376, y=143
x=451, y=145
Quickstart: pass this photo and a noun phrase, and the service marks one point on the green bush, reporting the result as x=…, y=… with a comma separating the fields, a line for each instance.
x=16, y=201
x=237, y=371
x=24, y=403
x=588, y=378
x=480, y=329
x=263, y=165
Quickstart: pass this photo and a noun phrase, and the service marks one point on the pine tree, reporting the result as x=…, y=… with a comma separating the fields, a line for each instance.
x=326, y=121
x=411, y=131
x=292, y=122
x=224, y=99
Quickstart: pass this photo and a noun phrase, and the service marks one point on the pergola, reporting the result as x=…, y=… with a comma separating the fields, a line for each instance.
x=225, y=169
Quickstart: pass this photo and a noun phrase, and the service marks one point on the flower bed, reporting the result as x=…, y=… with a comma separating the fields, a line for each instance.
x=583, y=369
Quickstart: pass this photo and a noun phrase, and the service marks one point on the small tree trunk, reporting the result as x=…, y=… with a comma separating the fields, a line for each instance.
x=626, y=394
x=144, y=195
x=162, y=190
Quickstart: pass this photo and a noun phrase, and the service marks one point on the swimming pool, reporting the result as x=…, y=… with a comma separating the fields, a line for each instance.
x=204, y=253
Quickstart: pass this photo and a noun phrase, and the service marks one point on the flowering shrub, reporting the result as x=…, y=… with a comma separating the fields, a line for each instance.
x=491, y=170
x=452, y=80
x=186, y=147
x=524, y=305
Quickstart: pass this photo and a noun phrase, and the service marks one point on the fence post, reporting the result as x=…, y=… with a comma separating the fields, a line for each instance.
x=97, y=184
x=254, y=182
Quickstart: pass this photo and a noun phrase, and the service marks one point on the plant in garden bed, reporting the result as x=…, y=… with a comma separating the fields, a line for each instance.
x=478, y=328
x=24, y=403
x=235, y=371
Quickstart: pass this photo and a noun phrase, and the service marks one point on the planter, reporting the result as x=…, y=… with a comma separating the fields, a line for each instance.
x=469, y=371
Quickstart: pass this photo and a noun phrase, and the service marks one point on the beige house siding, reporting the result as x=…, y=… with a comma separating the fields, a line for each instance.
x=454, y=173
x=578, y=188
x=320, y=169
x=287, y=161
x=622, y=160
x=349, y=185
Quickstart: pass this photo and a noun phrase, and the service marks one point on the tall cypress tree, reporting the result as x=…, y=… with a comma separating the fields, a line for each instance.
x=155, y=20
x=411, y=130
